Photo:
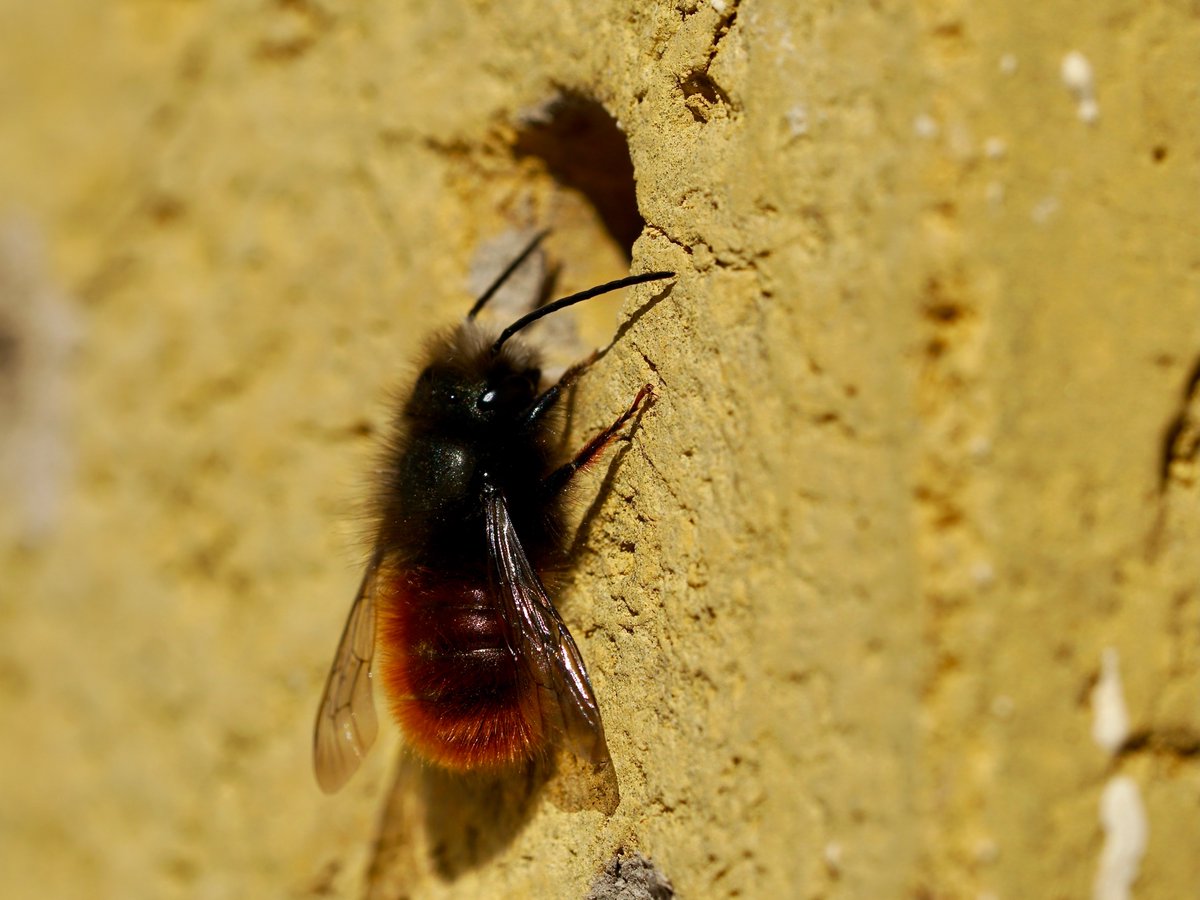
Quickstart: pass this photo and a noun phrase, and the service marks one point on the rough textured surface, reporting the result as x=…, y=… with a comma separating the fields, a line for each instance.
x=631, y=878
x=925, y=453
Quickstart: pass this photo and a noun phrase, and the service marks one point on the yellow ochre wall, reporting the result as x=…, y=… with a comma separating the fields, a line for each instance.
x=892, y=593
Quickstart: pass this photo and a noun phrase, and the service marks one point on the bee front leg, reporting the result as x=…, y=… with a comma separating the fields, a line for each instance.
x=559, y=478
x=545, y=402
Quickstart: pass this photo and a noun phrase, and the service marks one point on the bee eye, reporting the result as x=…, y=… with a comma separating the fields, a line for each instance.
x=513, y=392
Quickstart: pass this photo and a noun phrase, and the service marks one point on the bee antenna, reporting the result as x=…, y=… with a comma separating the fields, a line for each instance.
x=507, y=273
x=531, y=317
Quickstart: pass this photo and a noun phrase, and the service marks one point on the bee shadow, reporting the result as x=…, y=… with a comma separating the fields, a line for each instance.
x=587, y=521
x=569, y=401
x=448, y=823
x=625, y=327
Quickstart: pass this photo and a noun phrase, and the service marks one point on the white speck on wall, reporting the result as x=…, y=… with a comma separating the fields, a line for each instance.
x=1044, y=210
x=1008, y=63
x=833, y=856
x=980, y=447
x=995, y=148
x=987, y=851
x=1126, y=829
x=982, y=573
x=925, y=126
x=719, y=5
x=994, y=193
x=1110, y=718
x=797, y=120
x=1077, y=75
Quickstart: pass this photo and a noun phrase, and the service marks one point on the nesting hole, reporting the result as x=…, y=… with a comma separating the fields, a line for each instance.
x=583, y=149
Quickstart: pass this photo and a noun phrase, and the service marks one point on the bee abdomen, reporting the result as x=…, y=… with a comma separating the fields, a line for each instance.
x=455, y=685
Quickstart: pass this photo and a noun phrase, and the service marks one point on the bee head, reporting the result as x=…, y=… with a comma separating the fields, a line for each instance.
x=477, y=378
x=466, y=381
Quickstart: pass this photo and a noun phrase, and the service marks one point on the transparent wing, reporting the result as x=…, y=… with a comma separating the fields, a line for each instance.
x=567, y=705
x=346, y=724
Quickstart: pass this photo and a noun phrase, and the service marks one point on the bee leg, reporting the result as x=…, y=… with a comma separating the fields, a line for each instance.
x=558, y=479
x=544, y=403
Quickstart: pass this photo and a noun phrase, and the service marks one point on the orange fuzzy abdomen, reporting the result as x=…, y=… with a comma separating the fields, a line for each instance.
x=456, y=687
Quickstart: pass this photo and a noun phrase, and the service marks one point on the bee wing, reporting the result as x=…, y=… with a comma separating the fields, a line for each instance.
x=567, y=704
x=346, y=724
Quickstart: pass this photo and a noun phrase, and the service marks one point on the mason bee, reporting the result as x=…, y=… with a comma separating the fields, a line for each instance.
x=452, y=613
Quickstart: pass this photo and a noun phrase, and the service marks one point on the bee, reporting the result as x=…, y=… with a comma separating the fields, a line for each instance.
x=452, y=613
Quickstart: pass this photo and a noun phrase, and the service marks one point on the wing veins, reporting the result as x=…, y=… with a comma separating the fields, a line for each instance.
x=346, y=725
x=566, y=701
